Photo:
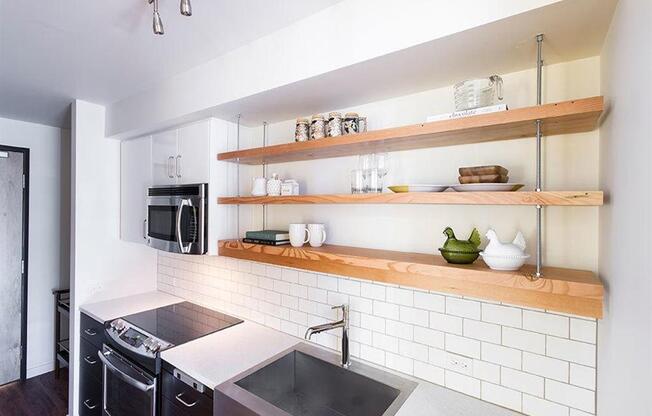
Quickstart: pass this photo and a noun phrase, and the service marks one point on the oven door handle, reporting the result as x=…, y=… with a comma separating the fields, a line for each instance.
x=182, y=203
x=124, y=376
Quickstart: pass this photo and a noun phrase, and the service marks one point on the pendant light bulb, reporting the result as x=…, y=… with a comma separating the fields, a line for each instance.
x=186, y=8
x=157, y=23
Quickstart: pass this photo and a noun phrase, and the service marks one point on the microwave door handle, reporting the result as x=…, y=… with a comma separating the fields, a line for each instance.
x=124, y=376
x=182, y=203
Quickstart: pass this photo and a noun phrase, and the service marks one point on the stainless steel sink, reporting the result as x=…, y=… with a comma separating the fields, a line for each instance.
x=307, y=381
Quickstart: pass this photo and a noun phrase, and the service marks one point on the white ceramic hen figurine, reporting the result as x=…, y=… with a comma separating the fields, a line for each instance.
x=497, y=248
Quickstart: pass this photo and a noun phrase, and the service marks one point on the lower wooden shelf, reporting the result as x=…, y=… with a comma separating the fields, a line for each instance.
x=563, y=290
x=549, y=198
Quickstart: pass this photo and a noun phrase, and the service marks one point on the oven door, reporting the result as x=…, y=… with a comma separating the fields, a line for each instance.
x=177, y=224
x=127, y=389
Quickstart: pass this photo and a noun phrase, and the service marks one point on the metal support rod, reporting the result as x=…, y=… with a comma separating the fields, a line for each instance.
x=237, y=175
x=539, y=254
x=264, y=174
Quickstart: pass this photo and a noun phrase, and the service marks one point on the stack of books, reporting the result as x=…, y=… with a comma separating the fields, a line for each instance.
x=267, y=237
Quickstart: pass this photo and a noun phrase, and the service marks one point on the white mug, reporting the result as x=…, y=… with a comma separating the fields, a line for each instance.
x=299, y=235
x=316, y=234
x=259, y=187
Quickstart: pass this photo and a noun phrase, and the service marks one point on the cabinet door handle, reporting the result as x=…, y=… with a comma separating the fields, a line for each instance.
x=178, y=167
x=88, y=404
x=89, y=361
x=183, y=402
x=90, y=332
x=170, y=169
x=145, y=229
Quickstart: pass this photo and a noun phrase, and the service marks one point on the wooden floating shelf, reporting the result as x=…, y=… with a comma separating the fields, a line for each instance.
x=563, y=290
x=558, y=118
x=557, y=198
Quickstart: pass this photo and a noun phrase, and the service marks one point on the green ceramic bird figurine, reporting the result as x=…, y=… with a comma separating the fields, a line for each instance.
x=460, y=251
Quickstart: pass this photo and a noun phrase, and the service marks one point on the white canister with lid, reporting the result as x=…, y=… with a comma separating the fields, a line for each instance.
x=274, y=186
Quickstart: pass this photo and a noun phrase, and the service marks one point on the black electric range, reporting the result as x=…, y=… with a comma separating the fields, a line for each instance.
x=131, y=356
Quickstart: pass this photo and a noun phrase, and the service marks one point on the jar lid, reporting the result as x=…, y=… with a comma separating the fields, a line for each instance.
x=302, y=121
x=351, y=115
x=334, y=114
x=317, y=117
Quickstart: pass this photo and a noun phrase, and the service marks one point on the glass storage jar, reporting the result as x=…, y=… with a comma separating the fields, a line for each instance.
x=350, y=125
x=317, y=127
x=302, y=130
x=334, y=124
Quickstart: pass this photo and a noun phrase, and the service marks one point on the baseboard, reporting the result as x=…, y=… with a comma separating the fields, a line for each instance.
x=37, y=370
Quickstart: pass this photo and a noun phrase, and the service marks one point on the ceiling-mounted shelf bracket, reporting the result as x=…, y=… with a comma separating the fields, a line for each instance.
x=264, y=173
x=539, y=232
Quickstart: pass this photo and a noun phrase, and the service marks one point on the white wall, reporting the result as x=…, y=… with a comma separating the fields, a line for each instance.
x=102, y=266
x=48, y=231
x=625, y=333
x=570, y=163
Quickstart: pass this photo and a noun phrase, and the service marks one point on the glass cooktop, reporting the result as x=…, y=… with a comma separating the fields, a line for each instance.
x=181, y=322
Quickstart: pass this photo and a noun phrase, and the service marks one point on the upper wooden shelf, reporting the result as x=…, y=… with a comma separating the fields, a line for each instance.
x=548, y=198
x=559, y=118
x=563, y=290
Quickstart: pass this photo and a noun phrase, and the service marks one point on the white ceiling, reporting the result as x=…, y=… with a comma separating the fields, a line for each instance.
x=103, y=51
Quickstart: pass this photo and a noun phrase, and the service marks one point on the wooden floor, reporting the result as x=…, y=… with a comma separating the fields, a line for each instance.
x=39, y=396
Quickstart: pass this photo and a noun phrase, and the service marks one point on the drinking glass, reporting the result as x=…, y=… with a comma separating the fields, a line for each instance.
x=381, y=162
x=366, y=162
x=373, y=181
x=357, y=181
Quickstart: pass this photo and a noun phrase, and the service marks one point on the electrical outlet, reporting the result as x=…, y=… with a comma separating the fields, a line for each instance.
x=459, y=363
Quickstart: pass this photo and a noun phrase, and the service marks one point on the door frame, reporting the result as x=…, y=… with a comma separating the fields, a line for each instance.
x=25, y=250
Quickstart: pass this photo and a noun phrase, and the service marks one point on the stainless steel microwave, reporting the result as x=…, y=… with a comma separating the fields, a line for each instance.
x=177, y=218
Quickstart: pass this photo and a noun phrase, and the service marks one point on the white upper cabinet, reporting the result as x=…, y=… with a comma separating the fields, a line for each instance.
x=192, y=162
x=164, y=153
x=135, y=178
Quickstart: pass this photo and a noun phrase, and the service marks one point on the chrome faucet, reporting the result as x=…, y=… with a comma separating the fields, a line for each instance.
x=344, y=324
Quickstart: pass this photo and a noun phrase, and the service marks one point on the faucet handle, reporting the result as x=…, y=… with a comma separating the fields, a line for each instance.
x=345, y=310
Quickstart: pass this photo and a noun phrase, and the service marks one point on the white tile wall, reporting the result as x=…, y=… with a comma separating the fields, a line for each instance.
x=540, y=363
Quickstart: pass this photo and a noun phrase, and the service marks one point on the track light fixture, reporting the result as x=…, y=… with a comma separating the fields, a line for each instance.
x=157, y=24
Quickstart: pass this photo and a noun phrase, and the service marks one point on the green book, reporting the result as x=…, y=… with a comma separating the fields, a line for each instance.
x=270, y=235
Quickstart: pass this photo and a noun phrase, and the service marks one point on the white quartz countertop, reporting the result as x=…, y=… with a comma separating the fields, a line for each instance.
x=220, y=356
x=116, y=308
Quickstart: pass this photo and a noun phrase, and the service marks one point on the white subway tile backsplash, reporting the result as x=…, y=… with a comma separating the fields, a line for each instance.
x=536, y=406
x=464, y=384
x=413, y=350
x=502, y=315
x=583, y=330
x=413, y=316
x=446, y=323
x=572, y=396
x=462, y=307
x=350, y=287
x=373, y=291
x=545, y=366
x=546, y=323
x=429, y=373
x=482, y=331
x=399, y=330
x=307, y=279
x=385, y=342
x=372, y=354
x=429, y=337
x=327, y=282
x=429, y=301
x=508, y=355
x=582, y=376
x=386, y=310
x=463, y=346
x=524, y=340
x=501, y=396
x=523, y=382
x=573, y=351
x=400, y=296
x=399, y=363
x=486, y=371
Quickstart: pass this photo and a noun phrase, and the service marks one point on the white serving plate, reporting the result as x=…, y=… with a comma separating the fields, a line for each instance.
x=487, y=187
